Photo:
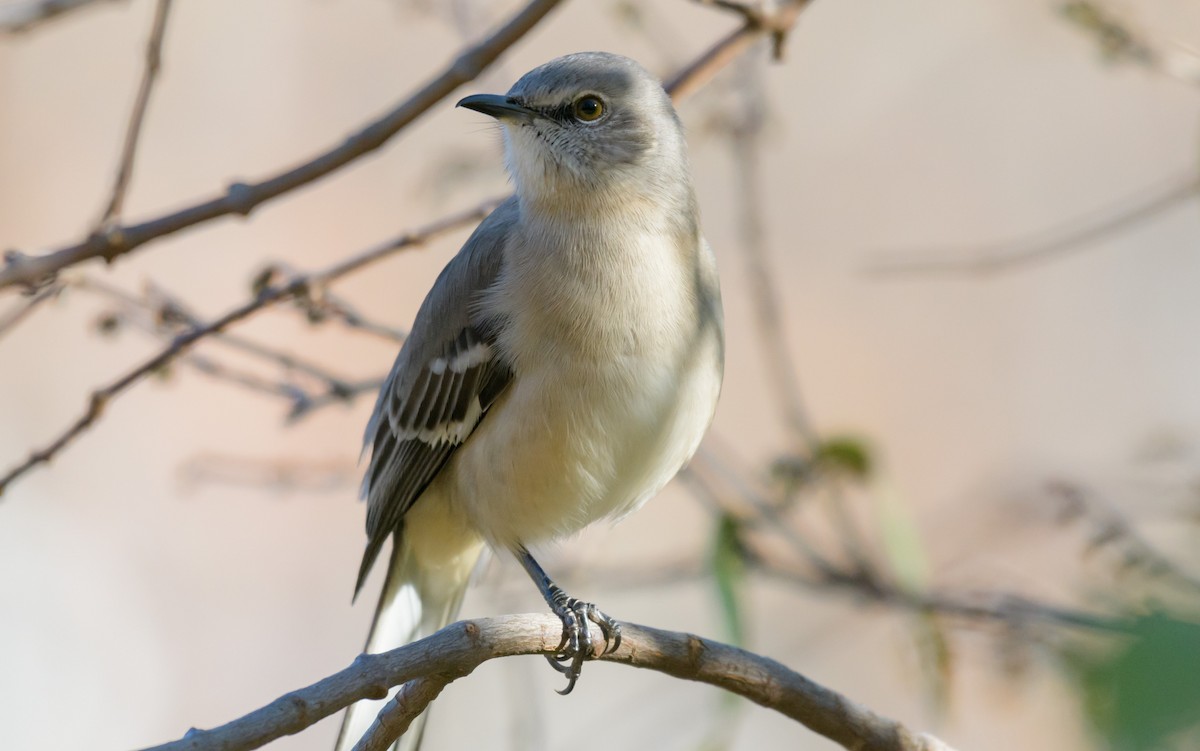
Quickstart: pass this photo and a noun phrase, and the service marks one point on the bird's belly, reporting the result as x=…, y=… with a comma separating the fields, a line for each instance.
x=566, y=446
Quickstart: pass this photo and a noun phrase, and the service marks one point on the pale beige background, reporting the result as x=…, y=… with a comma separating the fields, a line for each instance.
x=134, y=604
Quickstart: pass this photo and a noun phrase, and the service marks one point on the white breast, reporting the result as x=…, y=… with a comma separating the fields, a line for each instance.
x=615, y=383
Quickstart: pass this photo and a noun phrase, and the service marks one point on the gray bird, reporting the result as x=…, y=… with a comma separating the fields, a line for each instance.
x=564, y=366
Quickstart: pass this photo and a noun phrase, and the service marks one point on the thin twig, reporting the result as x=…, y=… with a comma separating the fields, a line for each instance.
x=1003, y=607
x=458, y=649
x=1120, y=41
x=324, y=304
x=1043, y=245
x=242, y=198
x=22, y=309
x=1111, y=529
x=170, y=317
x=746, y=144
x=681, y=85
x=138, y=115
x=268, y=296
x=345, y=395
x=761, y=512
x=19, y=17
x=220, y=372
x=305, y=474
x=777, y=24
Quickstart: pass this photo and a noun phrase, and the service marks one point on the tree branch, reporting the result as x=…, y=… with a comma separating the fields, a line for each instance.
x=270, y=295
x=138, y=115
x=679, y=86
x=398, y=714
x=164, y=315
x=19, y=312
x=1043, y=245
x=458, y=649
x=777, y=24
x=242, y=198
x=19, y=17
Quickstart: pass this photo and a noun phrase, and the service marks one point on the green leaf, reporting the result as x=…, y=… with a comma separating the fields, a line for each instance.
x=1144, y=693
x=937, y=659
x=845, y=455
x=729, y=573
x=902, y=544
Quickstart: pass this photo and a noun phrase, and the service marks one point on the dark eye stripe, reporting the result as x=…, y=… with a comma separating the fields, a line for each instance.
x=561, y=113
x=565, y=113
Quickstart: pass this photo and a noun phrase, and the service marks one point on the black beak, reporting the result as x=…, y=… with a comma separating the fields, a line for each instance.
x=499, y=107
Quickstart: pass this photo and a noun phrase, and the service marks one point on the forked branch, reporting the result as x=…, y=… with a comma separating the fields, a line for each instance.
x=241, y=198
x=458, y=649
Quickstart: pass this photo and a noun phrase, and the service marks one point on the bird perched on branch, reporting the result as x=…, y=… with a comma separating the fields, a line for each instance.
x=562, y=369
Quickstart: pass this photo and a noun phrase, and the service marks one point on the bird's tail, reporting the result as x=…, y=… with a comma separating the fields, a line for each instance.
x=414, y=604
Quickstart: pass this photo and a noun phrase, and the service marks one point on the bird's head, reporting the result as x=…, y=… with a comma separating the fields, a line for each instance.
x=589, y=127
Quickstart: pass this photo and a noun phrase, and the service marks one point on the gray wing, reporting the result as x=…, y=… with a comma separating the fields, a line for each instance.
x=446, y=377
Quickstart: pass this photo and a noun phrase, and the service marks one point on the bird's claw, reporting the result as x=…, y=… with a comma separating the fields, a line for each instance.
x=577, y=644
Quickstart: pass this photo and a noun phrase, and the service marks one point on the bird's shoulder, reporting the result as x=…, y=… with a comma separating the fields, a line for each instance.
x=450, y=311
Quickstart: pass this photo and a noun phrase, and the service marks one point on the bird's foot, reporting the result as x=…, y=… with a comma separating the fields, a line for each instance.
x=577, y=642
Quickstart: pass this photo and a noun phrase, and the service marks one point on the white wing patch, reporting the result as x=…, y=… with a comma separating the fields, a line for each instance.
x=452, y=432
x=442, y=405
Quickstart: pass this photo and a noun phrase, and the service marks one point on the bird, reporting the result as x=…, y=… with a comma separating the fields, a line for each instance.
x=564, y=366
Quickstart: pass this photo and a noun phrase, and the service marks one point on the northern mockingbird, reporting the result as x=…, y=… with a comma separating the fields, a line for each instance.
x=564, y=366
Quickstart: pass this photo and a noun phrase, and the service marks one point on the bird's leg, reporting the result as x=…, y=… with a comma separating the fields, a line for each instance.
x=576, y=644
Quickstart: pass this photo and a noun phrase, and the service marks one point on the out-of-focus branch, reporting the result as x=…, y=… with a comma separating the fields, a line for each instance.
x=323, y=304
x=813, y=570
x=1041, y=246
x=458, y=649
x=291, y=473
x=681, y=85
x=242, y=198
x=997, y=606
x=165, y=315
x=22, y=309
x=18, y=17
x=138, y=115
x=326, y=305
x=1119, y=41
x=1108, y=528
x=267, y=296
x=776, y=24
x=745, y=142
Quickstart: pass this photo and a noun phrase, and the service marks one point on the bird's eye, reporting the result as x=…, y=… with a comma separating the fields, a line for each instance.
x=588, y=109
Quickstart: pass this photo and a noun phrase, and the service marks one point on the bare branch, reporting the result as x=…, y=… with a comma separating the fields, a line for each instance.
x=267, y=296
x=22, y=309
x=777, y=24
x=747, y=151
x=686, y=82
x=1120, y=41
x=815, y=571
x=242, y=198
x=291, y=473
x=458, y=649
x=1044, y=245
x=19, y=17
x=162, y=314
x=1108, y=528
x=398, y=714
x=328, y=305
x=129, y=150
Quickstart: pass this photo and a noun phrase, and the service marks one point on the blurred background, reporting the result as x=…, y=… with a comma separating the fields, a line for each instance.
x=955, y=472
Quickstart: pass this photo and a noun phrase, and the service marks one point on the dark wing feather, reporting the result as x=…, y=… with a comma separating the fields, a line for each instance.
x=446, y=377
